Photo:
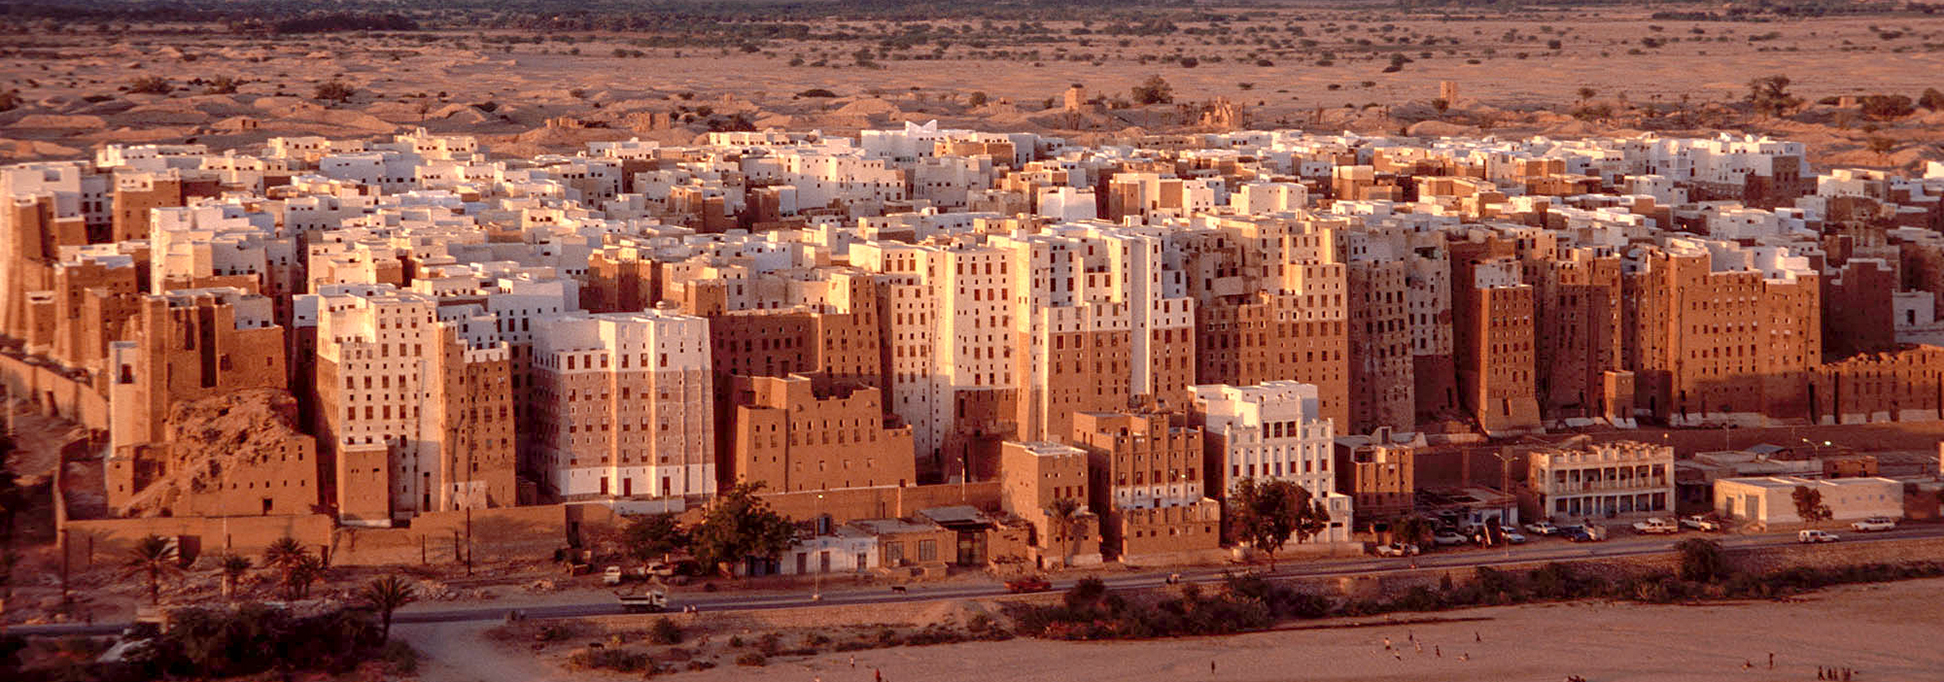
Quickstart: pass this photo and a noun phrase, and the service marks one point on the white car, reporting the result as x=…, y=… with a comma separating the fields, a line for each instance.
x=1397, y=549
x=1513, y=537
x=1542, y=528
x=611, y=576
x=1447, y=538
x=1873, y=524
x=1814, y=536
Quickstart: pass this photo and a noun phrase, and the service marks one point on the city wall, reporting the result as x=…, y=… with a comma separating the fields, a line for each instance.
x=886, y=502
x=54, y=393
x=90, y=542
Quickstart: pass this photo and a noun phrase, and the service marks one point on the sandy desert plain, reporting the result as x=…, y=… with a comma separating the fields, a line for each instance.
x=1569, y=71
x=1883, y=632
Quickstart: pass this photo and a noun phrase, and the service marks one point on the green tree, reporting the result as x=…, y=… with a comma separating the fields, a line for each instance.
x=1064, y=513
x=1154, y=90
x=1770, y=95
x=1586, y=93
x=1441, y=105
x=154, y=556
x=653, y=537
x=234, y=567
x=283, y=552
x=333, y=91
x=1702, y=560
x=978, y=98
x=387, y=594
x=739, y=526
x=1413, y=529
x=1886, y=107
x=1266, y=514
x=1809, y=505
x=300, y=574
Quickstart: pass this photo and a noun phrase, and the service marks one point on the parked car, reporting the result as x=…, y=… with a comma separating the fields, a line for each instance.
x=1583, y=533
x=1513, y=537
x=1446, y=538
x=1700, y=522
x=611, y=576
x=1031, y=583
x=1657, y=526
x=1397, y=549
x=1542, y=528
x=1814, y=536
x=1873, y=524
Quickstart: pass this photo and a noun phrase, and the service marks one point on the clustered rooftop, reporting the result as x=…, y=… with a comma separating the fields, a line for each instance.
x=645, y=322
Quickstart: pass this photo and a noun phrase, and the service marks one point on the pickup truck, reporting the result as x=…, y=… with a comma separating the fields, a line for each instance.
x=653, y=601
x=1874, y=524
x=1397, y=549
x=1700, y=522
x=1656, y=526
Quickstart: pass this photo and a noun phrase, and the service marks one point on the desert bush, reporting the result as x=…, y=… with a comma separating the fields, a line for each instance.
x=752, y=659
x=1931, y=99
x=9, y=100
x=221, y=85
x=1886, y=107
x=618, y=660
x=150, y=85
x=333, y=91
x=1154, y=90
x=665, y=631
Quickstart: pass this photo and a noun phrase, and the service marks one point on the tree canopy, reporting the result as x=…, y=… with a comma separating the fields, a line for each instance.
x=1266, y=514
x=740, y=526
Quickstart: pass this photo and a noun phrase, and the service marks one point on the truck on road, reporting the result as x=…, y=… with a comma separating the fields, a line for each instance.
x=652, y=601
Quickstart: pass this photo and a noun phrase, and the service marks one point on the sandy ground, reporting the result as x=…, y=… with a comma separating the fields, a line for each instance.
x=71, y=84
x=1887, y=632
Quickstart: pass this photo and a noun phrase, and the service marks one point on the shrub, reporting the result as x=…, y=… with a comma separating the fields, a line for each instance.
x=752, y=659
x=1931, y=99
x=333, y=91
x=9, y=100
x=618, y=660
x=150, y=85
x=977, y=99
x=1886, y=107
x=816, y=92
x=665, y=631
x=1701, y=560
x=221, y=85
x=1154, y=90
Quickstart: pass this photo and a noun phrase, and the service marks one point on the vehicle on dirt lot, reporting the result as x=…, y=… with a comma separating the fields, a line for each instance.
x=652, y=601
x=1397, y=549
x=1874, y=524
x=1657, y=526
x=1814, y=536
x=1700, y=522
x=1031, y=583
x=1542, y=528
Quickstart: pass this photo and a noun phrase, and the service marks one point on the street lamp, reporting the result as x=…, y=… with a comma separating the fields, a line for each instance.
x=816, y=533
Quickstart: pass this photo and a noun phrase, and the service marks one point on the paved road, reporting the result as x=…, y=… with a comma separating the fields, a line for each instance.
x=1540, y=550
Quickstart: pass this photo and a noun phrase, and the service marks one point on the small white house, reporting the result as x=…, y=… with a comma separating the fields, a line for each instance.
x=843, y=550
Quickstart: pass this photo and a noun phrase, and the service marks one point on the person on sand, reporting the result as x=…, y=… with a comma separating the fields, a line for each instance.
x=1387, y=644
x=1211, y=666
x=879, y=674
x=853, y=660
x=1437, y=651
x=1771, y=660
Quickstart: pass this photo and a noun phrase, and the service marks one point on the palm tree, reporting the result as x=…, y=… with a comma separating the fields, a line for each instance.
x=388, y=594
x=234, y=567
x=155, y=556
x=283, y=553
x=299, y=575
x=1063, y=512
